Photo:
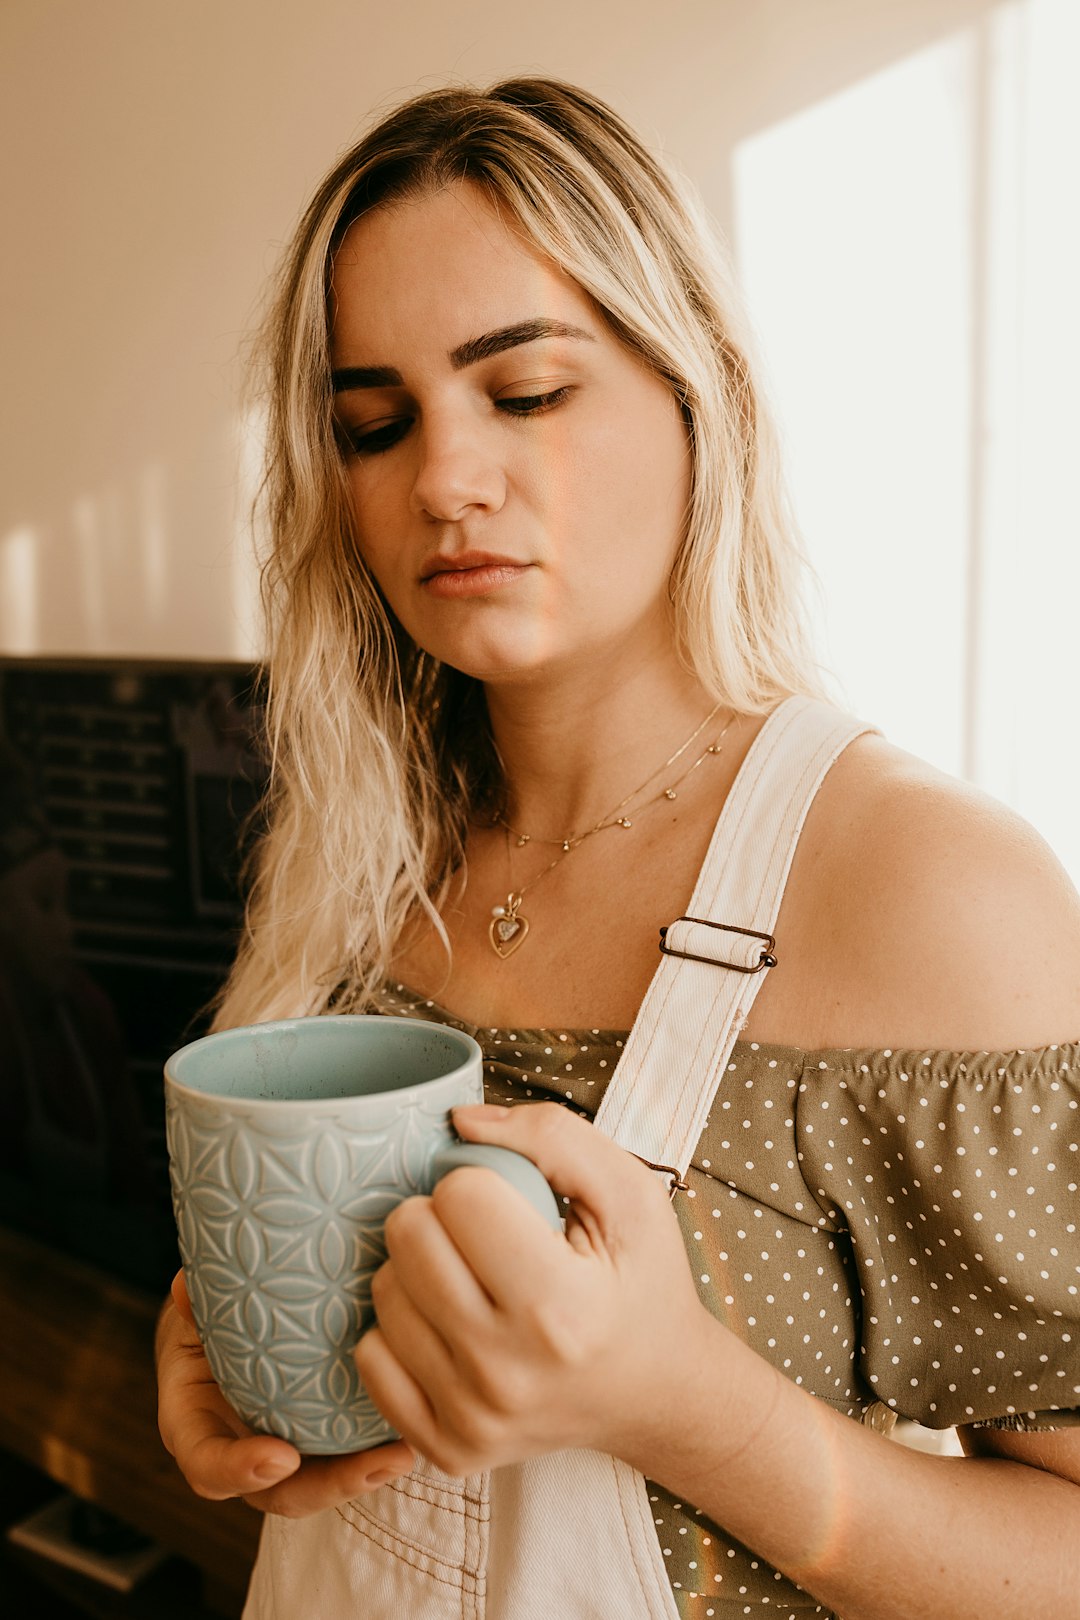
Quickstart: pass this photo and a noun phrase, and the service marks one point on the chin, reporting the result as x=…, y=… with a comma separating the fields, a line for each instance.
x=500, y=671
x=505, y=659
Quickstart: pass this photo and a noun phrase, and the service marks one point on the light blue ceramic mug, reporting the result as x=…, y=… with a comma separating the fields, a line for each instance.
x=289, y=1145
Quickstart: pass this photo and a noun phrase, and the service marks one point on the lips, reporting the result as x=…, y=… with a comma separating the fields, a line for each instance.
x=465, y=562
x=470, y=574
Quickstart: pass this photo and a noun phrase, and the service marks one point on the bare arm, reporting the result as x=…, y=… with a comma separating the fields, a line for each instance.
x=490, y=1350
x=967, y=924
x=873, y=1529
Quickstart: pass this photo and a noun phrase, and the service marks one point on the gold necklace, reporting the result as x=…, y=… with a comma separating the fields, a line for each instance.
x=508, y=928
x=612, y=818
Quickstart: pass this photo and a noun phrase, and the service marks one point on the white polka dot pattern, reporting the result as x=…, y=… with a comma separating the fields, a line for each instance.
x=883, y=1226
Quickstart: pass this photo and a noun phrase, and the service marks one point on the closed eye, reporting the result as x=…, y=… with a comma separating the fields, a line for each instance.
x=372, y=439
x=534, y=404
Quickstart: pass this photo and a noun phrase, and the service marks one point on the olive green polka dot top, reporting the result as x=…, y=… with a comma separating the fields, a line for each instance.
x=896, y=1231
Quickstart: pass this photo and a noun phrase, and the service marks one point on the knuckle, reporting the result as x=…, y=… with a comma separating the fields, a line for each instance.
x=477, y=1430
x=553, y=1123
x=458, y=1453
x=448, y=1189
x=493, y=1388
x=453, y=1196
x=505, y=1394
x=558, y=1329
x=404, y=1219
x=448, y=1459
x=550, y=1118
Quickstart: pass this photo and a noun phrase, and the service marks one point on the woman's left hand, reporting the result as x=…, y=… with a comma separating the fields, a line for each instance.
x=498, y=1339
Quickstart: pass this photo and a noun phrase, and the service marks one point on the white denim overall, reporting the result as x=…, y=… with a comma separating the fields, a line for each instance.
x=527, y=1542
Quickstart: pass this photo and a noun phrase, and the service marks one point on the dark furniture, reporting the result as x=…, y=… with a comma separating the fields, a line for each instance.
x=124, y=789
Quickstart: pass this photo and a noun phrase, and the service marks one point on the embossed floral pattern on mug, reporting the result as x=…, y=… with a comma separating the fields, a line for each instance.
x=280, y=1202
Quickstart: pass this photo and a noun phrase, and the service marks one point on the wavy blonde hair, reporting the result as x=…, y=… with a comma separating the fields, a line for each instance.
x=380, y=754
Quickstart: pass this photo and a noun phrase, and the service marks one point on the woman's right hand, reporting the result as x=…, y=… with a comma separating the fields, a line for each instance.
x=220, y=1456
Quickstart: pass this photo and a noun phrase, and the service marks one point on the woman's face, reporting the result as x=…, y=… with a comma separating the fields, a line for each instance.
x=519, y=478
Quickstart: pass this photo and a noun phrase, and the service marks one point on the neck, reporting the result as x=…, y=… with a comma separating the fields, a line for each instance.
x=574, y=745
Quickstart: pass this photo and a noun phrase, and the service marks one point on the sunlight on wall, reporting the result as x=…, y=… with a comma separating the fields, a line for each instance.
x=19, y=605
x=153, y=530
x=1039, y=641
x=852, y=228
x=154, y=563
x=912, y=271
x=90, y=572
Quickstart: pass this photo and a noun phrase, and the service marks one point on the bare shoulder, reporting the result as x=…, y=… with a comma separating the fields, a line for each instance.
x=940, y=918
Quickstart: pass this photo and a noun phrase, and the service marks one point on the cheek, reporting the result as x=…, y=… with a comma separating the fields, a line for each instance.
x=378, y=520
x=634, y=488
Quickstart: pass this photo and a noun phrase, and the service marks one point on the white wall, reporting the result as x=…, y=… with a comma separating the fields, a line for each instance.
x=153, y=157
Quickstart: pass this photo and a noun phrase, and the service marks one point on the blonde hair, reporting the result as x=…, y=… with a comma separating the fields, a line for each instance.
x=381, y=754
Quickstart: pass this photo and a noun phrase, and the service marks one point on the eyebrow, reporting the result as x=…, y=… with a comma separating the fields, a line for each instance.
x=468, y=353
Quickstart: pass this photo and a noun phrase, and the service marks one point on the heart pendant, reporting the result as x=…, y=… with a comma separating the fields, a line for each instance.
x=506, y=934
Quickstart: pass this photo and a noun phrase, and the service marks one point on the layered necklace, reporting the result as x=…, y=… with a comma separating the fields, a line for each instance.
x=509, y=927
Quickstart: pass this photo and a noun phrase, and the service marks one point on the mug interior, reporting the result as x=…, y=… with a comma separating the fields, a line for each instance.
x=321, y=1059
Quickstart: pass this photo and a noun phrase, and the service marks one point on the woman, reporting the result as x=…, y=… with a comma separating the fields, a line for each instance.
x=532, y=603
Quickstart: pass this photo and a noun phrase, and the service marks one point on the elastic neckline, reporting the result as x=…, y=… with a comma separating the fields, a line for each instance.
x=972, y=1063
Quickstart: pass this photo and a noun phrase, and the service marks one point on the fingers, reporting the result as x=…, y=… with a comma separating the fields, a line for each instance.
x=217, y=1454
x=323, y=1482
x=507, y=1247
x=396, y=1393
x=605, y=1184
x=410, y=1320
x=218, y=1464
x=220, y=1457
x=431, y=1268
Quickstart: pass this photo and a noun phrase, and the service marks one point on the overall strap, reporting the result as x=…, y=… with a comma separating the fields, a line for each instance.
x=715, y=958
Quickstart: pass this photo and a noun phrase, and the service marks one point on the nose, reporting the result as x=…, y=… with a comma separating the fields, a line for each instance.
x=459, y=472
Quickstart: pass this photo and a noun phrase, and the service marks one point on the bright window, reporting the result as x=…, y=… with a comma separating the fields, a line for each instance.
x=910, y=254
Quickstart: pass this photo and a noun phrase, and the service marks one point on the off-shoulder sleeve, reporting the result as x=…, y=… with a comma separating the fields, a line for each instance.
x=956, y=1175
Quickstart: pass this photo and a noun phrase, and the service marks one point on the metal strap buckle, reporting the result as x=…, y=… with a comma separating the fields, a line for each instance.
x=768, y=960
x=675, y=1181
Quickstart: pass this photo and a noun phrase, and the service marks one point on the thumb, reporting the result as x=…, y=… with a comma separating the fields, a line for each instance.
x=178, y=1290
x=579, y=1162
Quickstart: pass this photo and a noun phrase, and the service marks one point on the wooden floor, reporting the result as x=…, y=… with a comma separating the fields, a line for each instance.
x=76, y=1368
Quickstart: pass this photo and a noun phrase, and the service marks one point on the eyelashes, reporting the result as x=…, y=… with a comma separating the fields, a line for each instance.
x=372, y=441
x=533, y=404
x=369, y=441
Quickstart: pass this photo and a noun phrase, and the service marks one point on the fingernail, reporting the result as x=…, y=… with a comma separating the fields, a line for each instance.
x=490, y=1113
x=384, y=1478
x=270, y=1471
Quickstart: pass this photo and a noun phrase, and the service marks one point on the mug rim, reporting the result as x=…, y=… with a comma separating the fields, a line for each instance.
x=473, y=1053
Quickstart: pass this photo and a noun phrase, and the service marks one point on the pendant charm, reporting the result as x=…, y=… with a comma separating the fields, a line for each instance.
x=507, y=929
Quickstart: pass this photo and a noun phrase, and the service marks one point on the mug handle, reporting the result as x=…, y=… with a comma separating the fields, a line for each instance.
x=515, y=1168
